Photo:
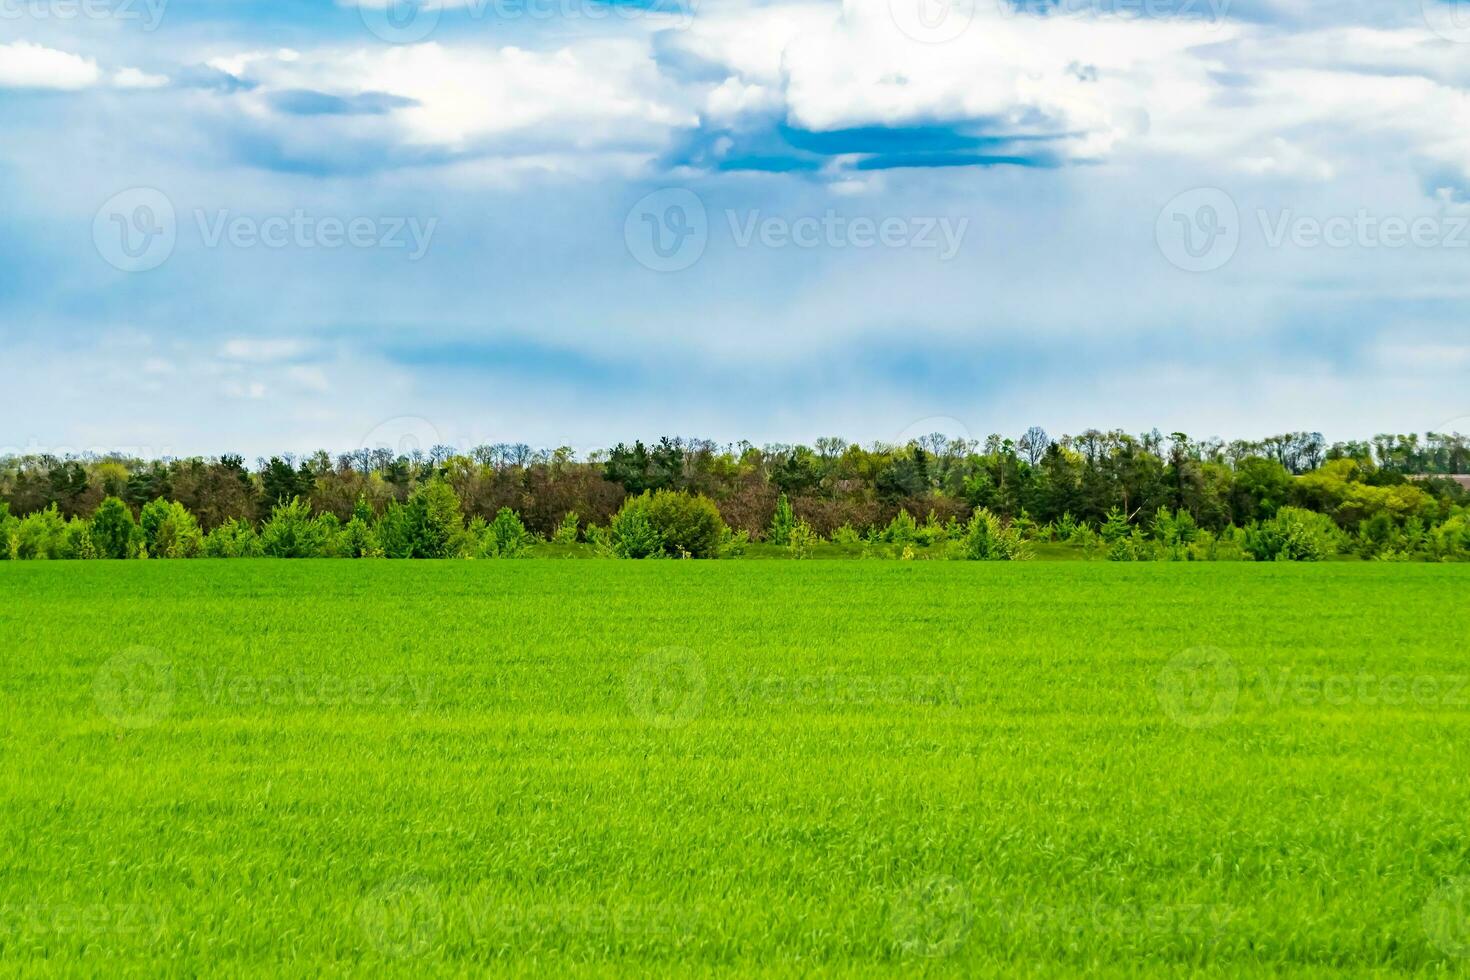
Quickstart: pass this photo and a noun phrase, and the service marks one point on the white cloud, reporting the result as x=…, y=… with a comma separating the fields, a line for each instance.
x=27, y=65
x=262, y=350
x=595, y=94
x=134, y=78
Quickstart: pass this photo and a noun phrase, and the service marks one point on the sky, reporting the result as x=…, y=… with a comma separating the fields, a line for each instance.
x=257, y=227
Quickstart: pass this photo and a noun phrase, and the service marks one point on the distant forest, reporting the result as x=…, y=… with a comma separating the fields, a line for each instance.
x=1390, y=496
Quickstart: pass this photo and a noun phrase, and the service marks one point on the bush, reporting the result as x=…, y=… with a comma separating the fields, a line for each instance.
x=800, y=539
x=732, y=543
x=901, y=530
x=505, y=537
x=566, y=531
x=113, y=530
x=674, y=523
x=987, y=539
x=291, y=532
x=234, y=538
x=170, y=531
x=358, y=539
x=782, y=522
x=41, y=535
x=630, y=534
x=1293, y=535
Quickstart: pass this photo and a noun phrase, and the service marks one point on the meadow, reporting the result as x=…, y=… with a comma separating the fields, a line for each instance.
x=772, y=768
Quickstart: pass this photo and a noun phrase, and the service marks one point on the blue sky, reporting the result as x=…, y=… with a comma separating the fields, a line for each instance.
x=254, y=227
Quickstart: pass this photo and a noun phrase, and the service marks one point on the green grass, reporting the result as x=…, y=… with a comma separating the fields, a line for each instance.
x=422, y=768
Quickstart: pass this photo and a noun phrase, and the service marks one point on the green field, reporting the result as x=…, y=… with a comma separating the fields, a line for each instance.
x=422, y=768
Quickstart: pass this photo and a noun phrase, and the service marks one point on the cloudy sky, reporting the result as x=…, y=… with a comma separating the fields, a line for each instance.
x=238, y=225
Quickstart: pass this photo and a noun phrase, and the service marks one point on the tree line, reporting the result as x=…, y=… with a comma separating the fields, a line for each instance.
x=1128, y=497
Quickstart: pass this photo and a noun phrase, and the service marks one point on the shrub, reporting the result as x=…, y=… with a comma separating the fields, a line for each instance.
x=291, y=532
x=987, y=539
x=800, y=540
x=1114, y=526
x=78, y=541
x=782, y=522
x=678, y=524
x=931, y=531
x=1293, y=535
x=566, y=531
x=505, y=537
x=1226, y=546
x=901, y=530
x=41, y=535
x=732, y=543
x=113, y=530
x=234, y=538
x=171, y=531
x=429, y=525
x=630, y=534
x=357, y=539
x=151, y=518
x=846, y=535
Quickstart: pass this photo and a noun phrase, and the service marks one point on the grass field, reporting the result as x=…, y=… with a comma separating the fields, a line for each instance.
x=421, y=768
